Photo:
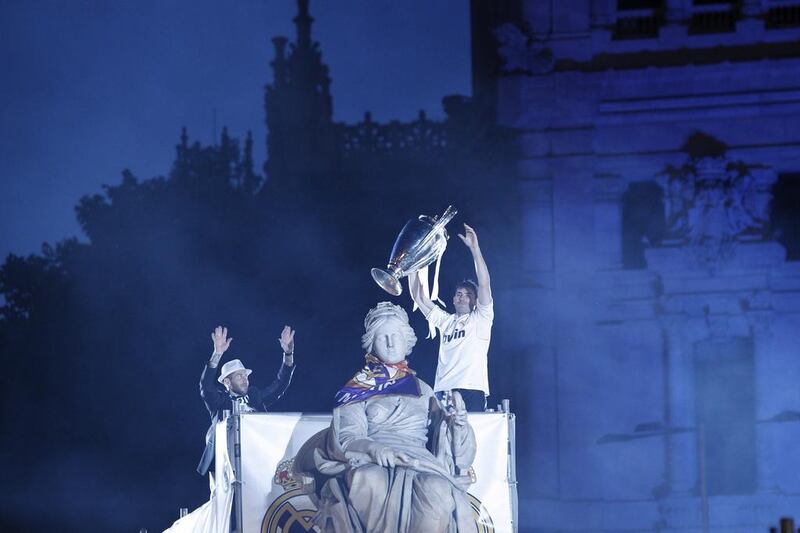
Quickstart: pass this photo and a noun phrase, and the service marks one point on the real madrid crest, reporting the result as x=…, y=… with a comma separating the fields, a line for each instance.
x=294, y=510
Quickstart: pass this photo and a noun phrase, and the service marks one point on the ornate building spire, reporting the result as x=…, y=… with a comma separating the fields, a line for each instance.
x=279, y=68
x=183, y=147
x=303, y=23
x=299, y=110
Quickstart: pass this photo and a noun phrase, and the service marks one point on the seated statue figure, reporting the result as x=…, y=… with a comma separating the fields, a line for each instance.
x=393, y=460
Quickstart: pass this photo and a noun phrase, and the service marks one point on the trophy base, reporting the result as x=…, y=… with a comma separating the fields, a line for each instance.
x=387, y=282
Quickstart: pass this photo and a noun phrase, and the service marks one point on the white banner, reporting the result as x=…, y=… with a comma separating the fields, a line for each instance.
x=275, y=502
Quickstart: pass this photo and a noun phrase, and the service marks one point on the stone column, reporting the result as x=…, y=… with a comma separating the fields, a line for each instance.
x=608, y=191
x=680, y=375
x=766, y=406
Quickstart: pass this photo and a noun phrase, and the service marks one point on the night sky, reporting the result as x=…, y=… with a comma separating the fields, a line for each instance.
x=90, y=88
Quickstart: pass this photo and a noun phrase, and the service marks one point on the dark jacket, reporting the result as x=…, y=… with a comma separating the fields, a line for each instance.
x=217, y=398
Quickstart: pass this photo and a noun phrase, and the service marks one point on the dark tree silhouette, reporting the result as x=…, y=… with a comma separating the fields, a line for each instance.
x=105, y=340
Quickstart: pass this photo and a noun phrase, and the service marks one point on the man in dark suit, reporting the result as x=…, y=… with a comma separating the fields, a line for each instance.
x=233, y=386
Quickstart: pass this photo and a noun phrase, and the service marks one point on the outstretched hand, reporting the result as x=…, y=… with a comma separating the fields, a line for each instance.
x=221, y=343
x=287, y=340
x=470, y=238
x=220, y=339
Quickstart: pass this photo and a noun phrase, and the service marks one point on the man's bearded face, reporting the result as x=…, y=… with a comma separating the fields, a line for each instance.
x=238, y=382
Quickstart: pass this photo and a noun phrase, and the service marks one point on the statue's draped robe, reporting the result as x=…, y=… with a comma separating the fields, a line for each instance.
x=356, y=495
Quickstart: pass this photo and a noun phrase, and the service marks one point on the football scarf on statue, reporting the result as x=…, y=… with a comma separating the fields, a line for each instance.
x=377, y=378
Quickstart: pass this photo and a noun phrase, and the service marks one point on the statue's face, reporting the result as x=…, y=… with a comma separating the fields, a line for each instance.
x=390, y=344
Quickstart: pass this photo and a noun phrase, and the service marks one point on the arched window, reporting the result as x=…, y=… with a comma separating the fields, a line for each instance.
x=642, y=221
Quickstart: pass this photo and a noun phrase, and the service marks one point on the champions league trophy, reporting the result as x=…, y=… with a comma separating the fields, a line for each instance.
x=420, y=243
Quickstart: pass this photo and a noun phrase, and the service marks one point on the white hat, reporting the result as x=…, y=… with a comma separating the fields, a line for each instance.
x=230, y=367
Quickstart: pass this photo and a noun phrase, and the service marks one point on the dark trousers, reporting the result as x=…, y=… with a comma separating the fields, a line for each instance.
x=475, y=400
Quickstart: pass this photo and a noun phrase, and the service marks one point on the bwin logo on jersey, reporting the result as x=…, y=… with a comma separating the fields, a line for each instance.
x=457, y=334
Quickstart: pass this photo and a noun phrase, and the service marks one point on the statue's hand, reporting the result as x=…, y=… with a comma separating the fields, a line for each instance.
x=387, y=456
x=457, y=414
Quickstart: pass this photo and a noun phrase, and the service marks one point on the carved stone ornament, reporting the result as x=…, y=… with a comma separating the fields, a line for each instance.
x=520, y=53
x=394, y=137
x=712, y=203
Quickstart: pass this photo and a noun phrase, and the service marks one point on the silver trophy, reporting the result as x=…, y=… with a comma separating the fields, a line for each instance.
x=419, y=244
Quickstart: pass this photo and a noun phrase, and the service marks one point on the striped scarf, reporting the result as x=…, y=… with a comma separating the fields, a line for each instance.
x=378, y=378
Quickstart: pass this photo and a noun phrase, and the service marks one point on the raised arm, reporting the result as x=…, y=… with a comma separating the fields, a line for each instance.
x=418, y=295
x=275, y=390
x=286, y=341
x=208, y=383
x=470, y=239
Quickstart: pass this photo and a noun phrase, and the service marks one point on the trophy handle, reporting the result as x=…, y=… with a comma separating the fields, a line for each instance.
x=387, y=281
x=447, y=216
x=438, y=223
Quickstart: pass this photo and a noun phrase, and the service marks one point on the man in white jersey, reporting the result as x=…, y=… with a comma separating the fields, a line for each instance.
x=465, y=335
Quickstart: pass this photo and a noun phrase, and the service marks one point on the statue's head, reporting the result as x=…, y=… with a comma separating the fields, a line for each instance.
x=388, y=335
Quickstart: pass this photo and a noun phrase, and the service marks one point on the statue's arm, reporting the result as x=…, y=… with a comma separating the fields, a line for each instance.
x=452, y=437
x=464, y=446
x=350, y=427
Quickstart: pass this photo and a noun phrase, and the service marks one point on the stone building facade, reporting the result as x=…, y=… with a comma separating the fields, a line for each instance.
x=659, y=179
x=636, y=167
